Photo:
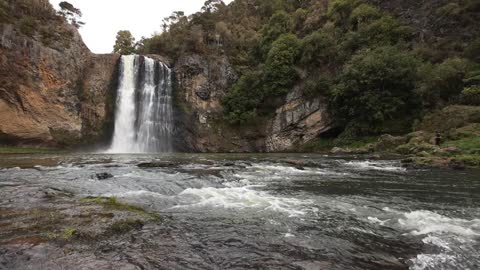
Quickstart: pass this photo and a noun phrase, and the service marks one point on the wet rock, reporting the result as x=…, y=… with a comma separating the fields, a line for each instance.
x=457, y=165
x=228, y=164
x=55, y=192
x=156, y=165
x=338, y=150
x=103, y=176
x=298, y=163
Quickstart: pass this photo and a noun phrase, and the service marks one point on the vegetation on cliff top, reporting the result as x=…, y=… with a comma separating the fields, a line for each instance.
x=38, y=20
x=373, y=66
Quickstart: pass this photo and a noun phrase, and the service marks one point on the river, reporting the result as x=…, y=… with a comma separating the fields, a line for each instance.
x=276, y=211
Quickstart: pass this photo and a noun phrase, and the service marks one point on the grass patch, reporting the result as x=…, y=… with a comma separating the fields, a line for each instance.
x=68, y=233
x=318, y=145
x=469, y=160
x=321, y=145
x=469, y=145
x=112, y=203
x=124, y=226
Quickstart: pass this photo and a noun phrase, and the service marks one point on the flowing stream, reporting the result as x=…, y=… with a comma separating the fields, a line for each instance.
x=261, y=212
x=143, y=119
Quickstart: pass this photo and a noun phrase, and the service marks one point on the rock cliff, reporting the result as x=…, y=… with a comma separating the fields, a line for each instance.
x=297, y=122
x=201, y=84
x=53, y=93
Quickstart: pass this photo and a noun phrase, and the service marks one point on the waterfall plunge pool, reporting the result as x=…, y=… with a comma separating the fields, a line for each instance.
x=249, y=211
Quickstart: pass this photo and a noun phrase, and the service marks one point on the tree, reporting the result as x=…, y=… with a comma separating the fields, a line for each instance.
x=4, y=8
x=279, y=68
x=242, y=100
x=442, y=82
x=375, y=86
x=317, y=48
x=124, y=43
x=279, y=24
x=71, y=14
x=212, y=5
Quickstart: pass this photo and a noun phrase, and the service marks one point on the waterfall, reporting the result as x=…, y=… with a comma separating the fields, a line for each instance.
x=143, y=119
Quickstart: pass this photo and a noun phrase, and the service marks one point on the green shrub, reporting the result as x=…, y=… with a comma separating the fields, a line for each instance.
x=242, y=100
x=471, y=95
x=317, y=87
x=365, y=13
x=339, y=12
x=47, y=35
x=376, y=85
x=4, y=11
x=278, y=25
x=442, y=82
x=279, y=71
x=317, y=48
x=449, y=10
x=124, y=226
x=384, y=31
x=28, y=25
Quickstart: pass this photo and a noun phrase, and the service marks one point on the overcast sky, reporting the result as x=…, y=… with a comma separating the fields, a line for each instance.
x=142, y=17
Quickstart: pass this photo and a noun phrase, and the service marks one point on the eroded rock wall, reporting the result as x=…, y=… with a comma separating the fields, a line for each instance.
x=52, y=95
x=297, y=122
x=201, y=84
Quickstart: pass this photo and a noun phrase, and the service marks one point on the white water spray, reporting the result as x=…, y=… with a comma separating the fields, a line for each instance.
x=144, y=118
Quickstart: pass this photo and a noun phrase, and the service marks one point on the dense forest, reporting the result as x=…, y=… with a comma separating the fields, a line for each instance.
x=381, y=66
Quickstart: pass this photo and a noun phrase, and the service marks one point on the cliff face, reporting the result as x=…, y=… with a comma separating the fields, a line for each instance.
x=297, y=122
x=201, y=84
x=54, y=93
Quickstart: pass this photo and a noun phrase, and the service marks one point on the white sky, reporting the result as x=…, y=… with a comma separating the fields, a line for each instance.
x=104, y=18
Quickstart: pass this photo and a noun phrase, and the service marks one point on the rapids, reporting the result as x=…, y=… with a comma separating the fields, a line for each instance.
x=258, y=211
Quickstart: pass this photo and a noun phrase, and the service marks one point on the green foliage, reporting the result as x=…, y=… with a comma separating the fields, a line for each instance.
x=28, y=26
x=124, y=43
x=384, y=31
x=443, y=82
x=279, y=24
x=127, y=225
x=449, y=10
x=317, y=87
x=365, y=13
x=471, y=95
x=68, y=233
x=71, y=14
x=339, y=12
x=376, y=85
x=4, y=11
x=241, y=102
x=279, y=72
x=317, y=48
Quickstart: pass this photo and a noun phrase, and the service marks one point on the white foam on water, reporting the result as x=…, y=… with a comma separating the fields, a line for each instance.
x=289, y=170
x=453, y=238
x=424, y=222
x=433, y=261
x=376, y=165
x=244, y=198
x=376, y=220
x=436, y=241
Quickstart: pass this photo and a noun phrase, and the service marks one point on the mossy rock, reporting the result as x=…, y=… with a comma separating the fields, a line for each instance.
x=415, y=148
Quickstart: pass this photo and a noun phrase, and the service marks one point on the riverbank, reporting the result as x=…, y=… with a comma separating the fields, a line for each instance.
x=459, y=148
